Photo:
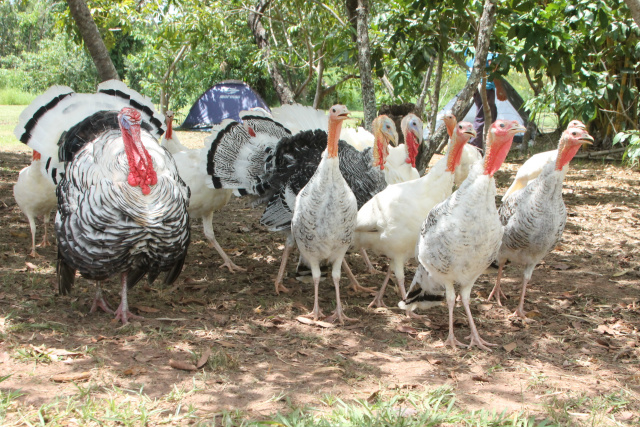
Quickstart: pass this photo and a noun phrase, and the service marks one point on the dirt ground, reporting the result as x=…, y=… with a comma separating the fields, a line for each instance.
x=582, y=347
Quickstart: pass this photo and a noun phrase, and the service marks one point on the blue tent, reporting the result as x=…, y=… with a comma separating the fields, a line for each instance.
x=222, y=101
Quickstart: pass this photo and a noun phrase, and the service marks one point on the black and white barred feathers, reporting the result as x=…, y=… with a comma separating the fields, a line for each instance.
x=261, y=157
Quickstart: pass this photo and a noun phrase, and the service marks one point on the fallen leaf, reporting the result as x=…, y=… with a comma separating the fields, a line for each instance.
x=142, y=358
x=146, y=309
x=604, y=329
x=480, y=377
x=18, y=234
x=620, y=273
x=373, y=398
x=307, y=321
x=258, y=309
x=510, y=347
x=75, y=376
x=434, y=361
x=407, y=330
x=560, y=266
x=278, y=320
x=226, y=344
x=30, y=266
x=485, y=307
x=204, y=358
x=327, y=369
x=617, y=209
x=184, y=366
x=533, y=313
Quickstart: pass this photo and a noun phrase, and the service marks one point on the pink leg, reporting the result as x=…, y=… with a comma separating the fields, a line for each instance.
x=355, y=286
x=45, y=240
x=99, y=302
x=338, y=314
x=207, y=224
x=283, y=265
x=528, y=271
x=377, y=301
x=316, y=313
x=122, y=313
x=496, y=289
x=451, y=303
x=367, y=261
x=465, y=292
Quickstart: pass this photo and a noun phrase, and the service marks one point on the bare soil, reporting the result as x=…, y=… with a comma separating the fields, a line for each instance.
x=583, y=341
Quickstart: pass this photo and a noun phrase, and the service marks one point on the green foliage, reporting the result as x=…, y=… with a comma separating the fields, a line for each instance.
x=632, y=140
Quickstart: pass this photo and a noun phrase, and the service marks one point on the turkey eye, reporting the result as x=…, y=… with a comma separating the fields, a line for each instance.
x=333, y=110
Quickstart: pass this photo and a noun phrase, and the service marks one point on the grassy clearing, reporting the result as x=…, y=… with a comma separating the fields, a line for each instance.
x=99, y=405
x=8, y=119
x=10, y=96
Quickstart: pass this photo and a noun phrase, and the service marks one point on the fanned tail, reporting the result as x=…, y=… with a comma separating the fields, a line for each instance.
x=240, y=155
x=50, y=115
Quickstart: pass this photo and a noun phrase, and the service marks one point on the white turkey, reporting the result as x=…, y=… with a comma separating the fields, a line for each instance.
x=204, y=201
x=534, y=165
x=534, y=216
x=470, y=154
x=260, y=157
x=389, y=223
x=462, y=235
x=122, y=207
x=324, y=216
x=35, y=194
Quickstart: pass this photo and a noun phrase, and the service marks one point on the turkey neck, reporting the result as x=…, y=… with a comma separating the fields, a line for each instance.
x=169, y=133
x=332, y=137
x=497, y=152
x=411, y=143
x=565, y=154
x=140, y=165
x=454, y=153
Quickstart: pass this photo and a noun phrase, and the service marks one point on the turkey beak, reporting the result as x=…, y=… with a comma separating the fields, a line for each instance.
x=587, y=139
x=393, y=137
x=471, y=132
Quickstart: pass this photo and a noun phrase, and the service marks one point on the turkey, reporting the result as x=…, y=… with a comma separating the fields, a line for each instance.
x=400, y=164
x=324, y=216
x=534, y=165
x=261, y=157
x=170, y=140
x=122, y=207
x=35, y=194
x=534, y=216
x=462, y=235
x=470, y=154
x=204, y=200
x=389, y=223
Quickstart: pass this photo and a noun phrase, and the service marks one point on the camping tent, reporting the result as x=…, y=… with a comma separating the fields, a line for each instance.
x=506, y=111
x=222, y=101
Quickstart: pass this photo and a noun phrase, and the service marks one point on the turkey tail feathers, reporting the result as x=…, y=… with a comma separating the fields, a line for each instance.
x=240, y=156
x=66, y=276
x=118, y=89
x=298, y=118
x=44, y=121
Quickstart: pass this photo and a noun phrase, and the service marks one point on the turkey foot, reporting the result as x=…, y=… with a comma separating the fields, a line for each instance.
x=100, y=303
x=497, y=291
x=370, y=268
x=479, y=342
x=353, y=282
x=453, y=342
x=412, y=315
x=125, y=315
x=340, y=316
x=522, y=315
x=377, y=301
x=233, y=268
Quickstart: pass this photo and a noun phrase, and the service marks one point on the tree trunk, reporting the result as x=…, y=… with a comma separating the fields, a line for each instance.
x=426, y=82
x=92, y=39
x=485, y=29
x=284, y=92
x=364, y=60
x=164, y=83
x=435, y=99
x=634, y=8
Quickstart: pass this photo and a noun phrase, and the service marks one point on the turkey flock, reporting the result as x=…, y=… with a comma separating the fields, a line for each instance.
x=124, y=188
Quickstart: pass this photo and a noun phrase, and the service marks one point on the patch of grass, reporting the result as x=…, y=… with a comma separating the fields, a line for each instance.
x=222, y=361
x=8, y=120
x=433, y=408
x=10, y=96
x=576, y=408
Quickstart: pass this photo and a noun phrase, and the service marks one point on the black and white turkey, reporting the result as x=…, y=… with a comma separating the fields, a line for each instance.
x=122, y=207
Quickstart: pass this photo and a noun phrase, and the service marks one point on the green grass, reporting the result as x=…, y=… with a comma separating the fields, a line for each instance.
x=117, y=406
x=15, y=97
x=8, y=120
